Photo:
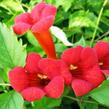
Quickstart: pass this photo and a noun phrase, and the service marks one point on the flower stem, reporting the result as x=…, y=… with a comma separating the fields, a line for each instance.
x=4, y=84
x=97, y=24
x=32, y=104
x=78, y=100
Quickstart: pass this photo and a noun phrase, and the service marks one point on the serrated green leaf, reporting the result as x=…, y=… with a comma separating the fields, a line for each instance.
x=101, y=94
x=82, y=19
x=12, y=52
x=11, y=100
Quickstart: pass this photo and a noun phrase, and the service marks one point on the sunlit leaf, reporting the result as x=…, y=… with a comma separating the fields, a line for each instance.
x=11, y=100
x=12, y=52
x=58, y=33
x=101, y=94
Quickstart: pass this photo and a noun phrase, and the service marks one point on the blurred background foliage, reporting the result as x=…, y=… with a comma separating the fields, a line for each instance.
x=77, y=19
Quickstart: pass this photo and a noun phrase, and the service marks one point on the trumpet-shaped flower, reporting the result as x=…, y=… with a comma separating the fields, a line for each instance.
x=102, y=50
x=39, y=20
x=40, y=77
x=83, y=70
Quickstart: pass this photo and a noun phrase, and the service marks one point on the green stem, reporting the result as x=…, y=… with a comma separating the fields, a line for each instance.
x=78, y=100
x=32, y=104
x=3, y=84
x=98, y=20
x=105, y=34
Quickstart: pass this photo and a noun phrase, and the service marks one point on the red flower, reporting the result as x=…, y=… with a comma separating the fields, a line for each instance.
x=38, y=21
x=102, y=50
x=39, y=77
x=84, y=73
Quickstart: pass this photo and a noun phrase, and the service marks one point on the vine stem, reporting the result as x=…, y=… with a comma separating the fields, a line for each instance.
x=97, y=24
x=78, y=100
x=3, y=84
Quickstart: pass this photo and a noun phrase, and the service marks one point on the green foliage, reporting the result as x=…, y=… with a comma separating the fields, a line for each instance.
x=82, y=19
x=12, y=53
x=11, y=100
x=47, y=103
x=101, y=94
x=11, y=5
x=80, y=42
x=75, y=22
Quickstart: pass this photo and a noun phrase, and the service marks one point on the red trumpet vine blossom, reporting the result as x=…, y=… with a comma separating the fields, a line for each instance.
x=102, y=50
x=40, y=77
x=83, y=72
x=38, y=21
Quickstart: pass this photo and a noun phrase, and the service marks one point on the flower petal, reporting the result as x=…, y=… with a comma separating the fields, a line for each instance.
x=102, y=49
x=72, y=55
x=65, y=72
x=48, y=11
x=32, y=62
x=37, y=10
x=81, y=87
x=94, y=76
x=24, y=18
x=55, y=88
x=43, y=25
x=21, y=28
x=18, y=78
x=106, y=72
x=50, y=67
x=88, y=58
x=32, y=93
x=53, y=68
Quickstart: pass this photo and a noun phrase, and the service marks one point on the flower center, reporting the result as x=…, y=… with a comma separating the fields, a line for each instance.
x=41, y=76
x=100, y=63
x=73, y=67
x=43, y=79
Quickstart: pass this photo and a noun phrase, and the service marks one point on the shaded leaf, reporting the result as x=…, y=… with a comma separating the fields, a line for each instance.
x=80, y=42
x=47, y=103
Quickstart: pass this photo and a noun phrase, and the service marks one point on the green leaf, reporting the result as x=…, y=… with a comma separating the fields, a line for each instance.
x=12, y=52
x=101, y=94
x=36, y=46
x=106, y=13
x=80, y=42
x=66, y=4
x=82, y=19
x=59, y=34
x=89, y=106
x=47, y=103
x=3, y=75
x=60, y=47
x=11, y=100
x=11, y=5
